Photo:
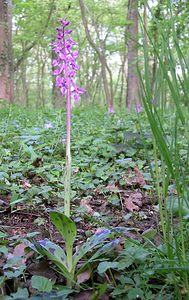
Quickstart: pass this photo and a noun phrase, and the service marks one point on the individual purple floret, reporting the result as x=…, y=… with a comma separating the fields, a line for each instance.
x=65, y=64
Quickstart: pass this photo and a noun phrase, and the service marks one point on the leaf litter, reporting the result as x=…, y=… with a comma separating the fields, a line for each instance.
x=107, y=194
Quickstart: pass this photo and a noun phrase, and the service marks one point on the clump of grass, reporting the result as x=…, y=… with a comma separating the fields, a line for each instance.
x=170, y=94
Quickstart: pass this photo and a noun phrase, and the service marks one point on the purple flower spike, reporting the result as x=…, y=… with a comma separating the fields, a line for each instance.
x=65, y=64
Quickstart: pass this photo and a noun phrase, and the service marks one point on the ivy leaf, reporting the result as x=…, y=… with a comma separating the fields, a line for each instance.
x=42, y=284
x=28, y=150
x=135, y=293
x=105, y=265
x=2, y=234
x=21, y=294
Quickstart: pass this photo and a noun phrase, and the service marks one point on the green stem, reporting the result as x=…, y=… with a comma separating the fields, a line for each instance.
x=67, y=182
x=67, y=186
x=69, y=258
x=69, y=250
x=159, y=189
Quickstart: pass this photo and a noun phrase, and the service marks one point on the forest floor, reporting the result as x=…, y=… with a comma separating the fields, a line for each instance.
x=112, y=187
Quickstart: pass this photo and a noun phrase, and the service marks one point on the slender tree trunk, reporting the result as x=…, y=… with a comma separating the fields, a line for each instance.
x=40, y=36
x=38, y=60
x=25, y=85
x=122, y=94
x=43, y=83
x=132, y=97
x=6, y=58
x=105, y=81
x=102, y=57
x=24, y=88
x=100, y=91
x=118, y=80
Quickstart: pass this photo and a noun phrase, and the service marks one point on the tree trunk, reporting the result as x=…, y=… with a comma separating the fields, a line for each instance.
x=24, y=88
x=108, y=90
x=43, y=83
x=38, y=102
x=132, y=97
x=6, y=59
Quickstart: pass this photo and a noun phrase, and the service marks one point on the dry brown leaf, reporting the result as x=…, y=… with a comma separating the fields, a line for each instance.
x=75, y=170
x=130, y=206
x=84, y=295
x=139, y=177
x=128, y=181
x=5, y=202
x=85, y=203
x=88, y=295
x=112, y=188
x=133, y=202
x=25, y=184
x=42, y=269
x=18, y=251
x=104, y=297
x=84, y=276
x=38, y=180
x=8, y=197
x=38, y=162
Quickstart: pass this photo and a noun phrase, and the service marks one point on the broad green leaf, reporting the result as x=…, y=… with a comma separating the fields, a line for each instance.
x=2, y=234
x=135, y=293
x=105, y=265
x=29, y=151
x=21, y=294
x=2, y=281
x=119, y=291
x=136, y=251
x=54, y=253
x=102, y=250
x=3, y=187
x=177, y=207
x=4, y=250
x=96, y=240
x=64, y=291
x=150, y=233
x=32, y=234
x=65, y=226
x=42, y=284
x=3, y=175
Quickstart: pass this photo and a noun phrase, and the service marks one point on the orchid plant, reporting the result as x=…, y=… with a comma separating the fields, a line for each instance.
x=67, y=260
x=65, y=72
